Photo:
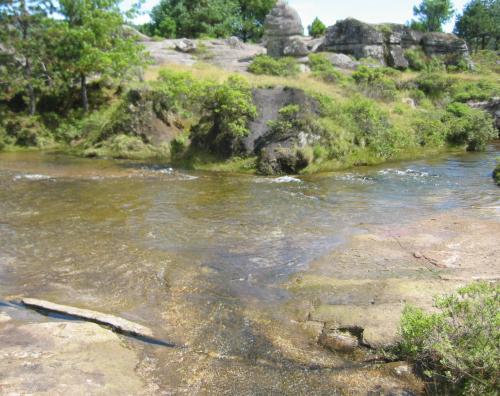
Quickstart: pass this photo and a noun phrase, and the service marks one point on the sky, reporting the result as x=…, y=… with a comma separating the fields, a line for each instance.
x=329, y=11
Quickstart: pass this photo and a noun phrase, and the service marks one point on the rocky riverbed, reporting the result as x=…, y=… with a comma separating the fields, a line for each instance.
x=265, y=285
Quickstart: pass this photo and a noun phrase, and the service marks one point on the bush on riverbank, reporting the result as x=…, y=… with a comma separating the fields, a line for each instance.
x=496, y=173
x=457, y=347
x=367, y=117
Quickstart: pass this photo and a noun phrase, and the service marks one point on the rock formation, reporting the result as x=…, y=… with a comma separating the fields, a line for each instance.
x=281, y=152
x=388, y=42
x=284, y=32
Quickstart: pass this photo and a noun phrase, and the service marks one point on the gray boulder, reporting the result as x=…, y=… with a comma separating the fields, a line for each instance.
x=356, y=38
x=396, y=57
x=342, y=61
x=443, y=44
x=185, y=45
x=283, y=30
x=295, y=46
x=387, y=43
x=281, y=152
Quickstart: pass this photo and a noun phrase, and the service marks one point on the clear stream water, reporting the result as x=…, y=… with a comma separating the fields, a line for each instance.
x=190, y=253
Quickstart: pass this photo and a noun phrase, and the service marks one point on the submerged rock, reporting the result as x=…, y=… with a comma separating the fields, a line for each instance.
x=339, y=340
x=117, y=324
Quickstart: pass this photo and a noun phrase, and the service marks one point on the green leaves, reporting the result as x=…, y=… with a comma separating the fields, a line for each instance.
x=461, y=342
x=317, y=28
x=479, y=24
x=209, y=18
x=264, y=64
x=432, y=14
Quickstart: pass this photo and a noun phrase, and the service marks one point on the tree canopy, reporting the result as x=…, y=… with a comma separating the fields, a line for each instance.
x=432, y=15
x=479, y=24
x=213, y=18
x=43, y=54
x=317, y=28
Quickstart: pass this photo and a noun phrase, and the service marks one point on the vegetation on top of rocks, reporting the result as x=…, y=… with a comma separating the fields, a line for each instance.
x=284, y=67
x=432, y=15
x=317, y=28
x=458, y=346
x=479, y=24
x=323, y=69
x=226, y=112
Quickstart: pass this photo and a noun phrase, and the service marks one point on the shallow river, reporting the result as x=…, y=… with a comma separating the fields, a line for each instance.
x=199, y=257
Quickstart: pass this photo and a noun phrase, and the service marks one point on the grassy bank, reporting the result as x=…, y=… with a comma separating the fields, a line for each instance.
x=196, y=117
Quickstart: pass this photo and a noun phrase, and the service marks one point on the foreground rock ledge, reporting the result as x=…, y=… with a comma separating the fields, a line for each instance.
x=66, y=358
x=117, y=324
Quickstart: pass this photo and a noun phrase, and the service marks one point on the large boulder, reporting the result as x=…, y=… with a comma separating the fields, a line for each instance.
x=284, y=32
x=387, y=43
x=145, y=113
x=278, y=151
x=342, y=61
x=446, y=45
x=356, y=38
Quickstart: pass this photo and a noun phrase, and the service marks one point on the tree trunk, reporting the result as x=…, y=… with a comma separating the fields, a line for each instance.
x=31, y=90
x=83, y=86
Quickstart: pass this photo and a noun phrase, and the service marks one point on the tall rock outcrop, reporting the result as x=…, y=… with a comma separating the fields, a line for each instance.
x=284, y=32
x=388, y=42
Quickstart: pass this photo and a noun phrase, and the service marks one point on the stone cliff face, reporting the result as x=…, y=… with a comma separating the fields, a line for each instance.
x=388, y=42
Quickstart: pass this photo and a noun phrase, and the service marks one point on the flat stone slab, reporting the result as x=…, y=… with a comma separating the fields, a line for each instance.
x=67, y=358
x=117, y=324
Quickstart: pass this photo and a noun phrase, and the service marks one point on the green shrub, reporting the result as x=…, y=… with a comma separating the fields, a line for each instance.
x=435, y=65
x=376, y=82
x=418, y=96
x=435, y=85
x=470, y=127
x=370, y=126
x=323, y=69
x=496, y=173
x=486, y=61
x=27, y=131
x=123, y=146
x=180, y=90
x=317, y=28
x=430, y=129
x=227, y=109
x=416, y=58
x=474, y=90
x=284, y=67
x=459, y=344
x=179, y=146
